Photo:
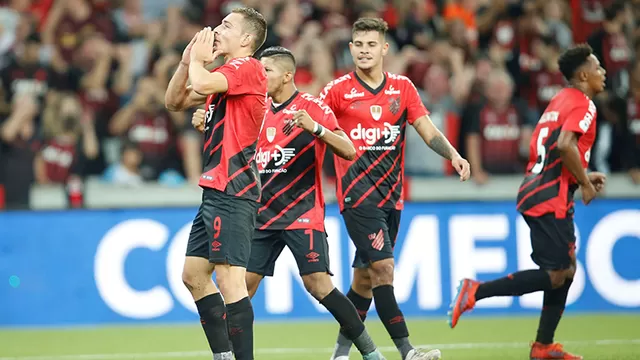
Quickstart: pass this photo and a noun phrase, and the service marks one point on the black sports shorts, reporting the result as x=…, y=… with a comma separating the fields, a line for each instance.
x=553, y=241
x=309, y=248
x=223, y=228
x=373, y=231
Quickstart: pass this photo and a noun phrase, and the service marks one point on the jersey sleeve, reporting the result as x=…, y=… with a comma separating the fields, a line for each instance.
x=580, y=118
x=329, y=97
x=328, y=120
x=415, y=107
x=238, y=77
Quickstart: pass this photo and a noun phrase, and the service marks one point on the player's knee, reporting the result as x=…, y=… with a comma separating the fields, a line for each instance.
x=195, y=275
x=557, y=278
x=381, y=272
x=318, y=284
x=232, y=283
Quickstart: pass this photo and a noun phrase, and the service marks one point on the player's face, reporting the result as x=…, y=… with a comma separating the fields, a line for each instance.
x=367, y=49
x=275, y=76
x=228, y=34
x=595, y=74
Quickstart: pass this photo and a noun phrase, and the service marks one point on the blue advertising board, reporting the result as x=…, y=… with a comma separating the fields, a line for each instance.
x=124, y=266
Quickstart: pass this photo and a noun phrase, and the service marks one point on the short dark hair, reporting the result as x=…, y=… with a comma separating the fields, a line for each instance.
x=278, y=52
x=256, y=23
x=573, y=58
x=370, y=24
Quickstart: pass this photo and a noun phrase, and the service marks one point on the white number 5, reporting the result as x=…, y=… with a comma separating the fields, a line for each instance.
x=541, y=150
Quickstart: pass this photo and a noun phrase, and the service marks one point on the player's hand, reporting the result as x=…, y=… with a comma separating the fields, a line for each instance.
x=462, y=167
x=588, y=193
x=302, y=120
x=186, y=54
x=197, y=120
x=598, y=180
x=202, y=50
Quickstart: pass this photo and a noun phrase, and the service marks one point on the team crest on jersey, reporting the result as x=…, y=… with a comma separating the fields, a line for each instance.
x=271, y=134
x=376, y=112
x=394, y=106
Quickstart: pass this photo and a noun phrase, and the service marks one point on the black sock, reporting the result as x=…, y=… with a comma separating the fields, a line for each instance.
x=240, y=321
x=520, y=283
x=213, y=315
x=361, y=303
x=351, y=325
x=552, y=309
x=389, y=312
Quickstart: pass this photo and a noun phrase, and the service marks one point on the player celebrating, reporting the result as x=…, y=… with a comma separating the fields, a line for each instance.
x=374, y=107
x=296, y=131
x=235, y=101
x=560, y=149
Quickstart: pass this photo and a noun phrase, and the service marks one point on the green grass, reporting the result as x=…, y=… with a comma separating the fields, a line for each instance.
x=475, y=338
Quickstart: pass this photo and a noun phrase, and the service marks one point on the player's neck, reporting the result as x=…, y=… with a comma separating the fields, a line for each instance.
x=584, y=88
x=284, y=95
x=372, y=77
x=238, y=54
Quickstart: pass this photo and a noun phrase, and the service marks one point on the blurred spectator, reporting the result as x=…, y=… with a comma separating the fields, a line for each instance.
x=151, y=127
x=612, y=48
x=497, y=131
x=127, y=170
x=69, y=140
x=88, y=97
x=544, y=83
x=25, y=82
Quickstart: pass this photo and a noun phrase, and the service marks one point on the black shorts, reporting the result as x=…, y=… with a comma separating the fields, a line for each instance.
x=309, y=248
x=223, y=228
x=373, y=231
x=553, y=241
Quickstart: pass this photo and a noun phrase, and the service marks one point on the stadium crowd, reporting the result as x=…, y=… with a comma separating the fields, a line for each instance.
x=83, y=81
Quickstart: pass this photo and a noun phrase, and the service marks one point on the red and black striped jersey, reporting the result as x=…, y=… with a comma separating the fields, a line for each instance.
x=548, y=187
x=375, y=120
x=232, y=124
x=290, y=165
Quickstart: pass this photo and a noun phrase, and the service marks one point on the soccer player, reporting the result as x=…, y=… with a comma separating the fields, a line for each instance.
x=296, y=131
x=234, y=95
x=374, y=108
x=560, y=149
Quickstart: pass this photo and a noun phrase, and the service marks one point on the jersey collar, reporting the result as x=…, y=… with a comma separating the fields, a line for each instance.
x=369, y=88
x=284, y=105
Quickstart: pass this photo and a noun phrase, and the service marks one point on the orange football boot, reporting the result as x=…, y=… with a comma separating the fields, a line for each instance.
x=551, y=351
x=464, y=300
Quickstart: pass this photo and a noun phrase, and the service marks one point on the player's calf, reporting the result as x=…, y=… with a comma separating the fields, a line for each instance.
x=196, y=276
x=319, y=285
x=381, y=273
x=231, y=280
x=361, y=283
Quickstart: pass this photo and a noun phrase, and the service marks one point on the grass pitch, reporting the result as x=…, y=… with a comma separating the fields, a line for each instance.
x=597, y=337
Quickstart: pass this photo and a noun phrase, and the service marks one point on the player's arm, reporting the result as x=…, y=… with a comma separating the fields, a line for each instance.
x=578, y=123
x=568, y=148
x=334, y=137
x=204, y=82
x=434, y=138
x=179, y=95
